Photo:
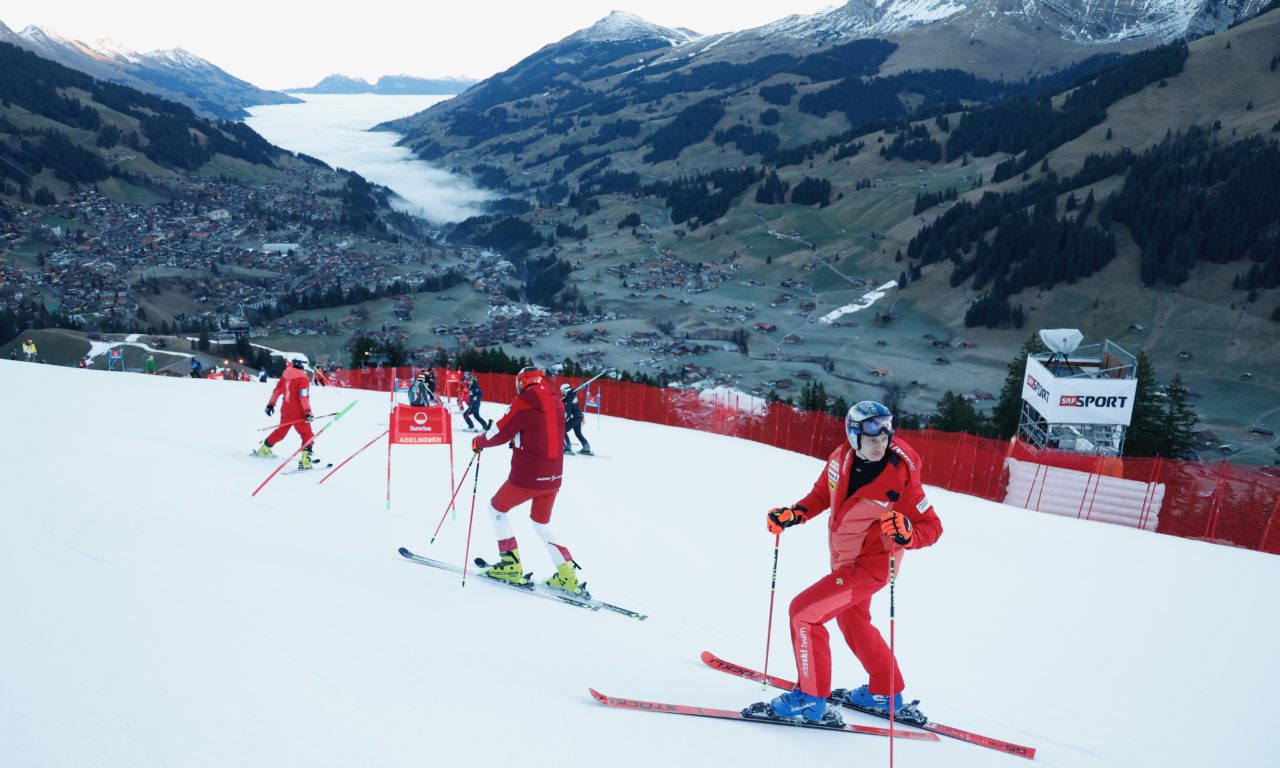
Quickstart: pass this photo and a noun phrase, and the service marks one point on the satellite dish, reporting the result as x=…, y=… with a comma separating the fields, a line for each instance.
x=1062, y=341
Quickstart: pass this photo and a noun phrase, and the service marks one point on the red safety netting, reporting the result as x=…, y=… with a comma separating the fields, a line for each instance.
x=1220, y=503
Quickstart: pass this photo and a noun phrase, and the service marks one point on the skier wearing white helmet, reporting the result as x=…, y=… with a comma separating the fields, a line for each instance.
x=871, y=487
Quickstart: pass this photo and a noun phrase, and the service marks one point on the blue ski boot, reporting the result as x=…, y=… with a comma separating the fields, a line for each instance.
x=794, y=704
x=862, y=698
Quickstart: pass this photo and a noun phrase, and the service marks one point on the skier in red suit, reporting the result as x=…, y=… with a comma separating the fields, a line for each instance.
x=295, y=411
x=871, y=487
x=534, y=425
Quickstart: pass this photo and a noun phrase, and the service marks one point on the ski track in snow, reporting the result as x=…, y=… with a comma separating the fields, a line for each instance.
x=156, y=615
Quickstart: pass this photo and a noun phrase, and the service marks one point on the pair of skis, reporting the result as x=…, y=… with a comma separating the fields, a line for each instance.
x=590, y=603
x=929, y=731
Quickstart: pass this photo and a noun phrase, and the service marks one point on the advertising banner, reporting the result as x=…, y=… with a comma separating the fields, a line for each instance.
x=421, y=426
x=1078, y=400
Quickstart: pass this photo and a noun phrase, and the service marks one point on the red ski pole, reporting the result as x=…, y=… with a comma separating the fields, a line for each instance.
x=892, y=657
x=352, y=456
x=773, y=589
x=285, y=463
x=449, y=506
x=475, y=484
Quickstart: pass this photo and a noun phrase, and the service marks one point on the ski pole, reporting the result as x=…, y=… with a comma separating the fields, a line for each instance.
x=297, y=421
x=337, y=417
x=449, y=506
x=892, y=658
x=475, y=484
x=352, y=456
x=773, y=589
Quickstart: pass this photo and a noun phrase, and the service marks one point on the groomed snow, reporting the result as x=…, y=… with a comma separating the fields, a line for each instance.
x=156, y=615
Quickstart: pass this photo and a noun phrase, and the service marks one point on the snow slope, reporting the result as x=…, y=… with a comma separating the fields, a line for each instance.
x=156, y=615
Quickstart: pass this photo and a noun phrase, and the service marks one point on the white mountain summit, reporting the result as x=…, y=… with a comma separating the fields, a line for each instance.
x=620, y=26
x=1085, y=21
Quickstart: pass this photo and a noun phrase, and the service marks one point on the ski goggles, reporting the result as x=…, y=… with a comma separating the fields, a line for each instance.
x=872, y=427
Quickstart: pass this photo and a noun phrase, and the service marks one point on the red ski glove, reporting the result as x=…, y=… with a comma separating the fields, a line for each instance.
x=785, y=517
x=475, y=443
x=896, y=526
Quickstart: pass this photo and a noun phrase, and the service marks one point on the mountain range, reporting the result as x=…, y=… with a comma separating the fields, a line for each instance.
x=1000, y=158
x=172, y=73
x=390, y=85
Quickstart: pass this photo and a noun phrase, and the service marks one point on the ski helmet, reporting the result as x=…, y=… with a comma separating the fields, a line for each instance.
x=527, y=377
x=422, y=377
x=565, y=388
x=298, y=362
x=867, y=418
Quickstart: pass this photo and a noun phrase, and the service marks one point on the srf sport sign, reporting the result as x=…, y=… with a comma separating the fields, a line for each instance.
x=1078, y=400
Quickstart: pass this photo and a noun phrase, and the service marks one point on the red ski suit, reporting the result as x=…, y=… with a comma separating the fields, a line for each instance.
x=859, y=564
x=534, y=425
x=295, y=388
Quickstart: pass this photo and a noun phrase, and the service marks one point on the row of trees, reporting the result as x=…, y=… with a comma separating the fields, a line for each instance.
x=1033, y=127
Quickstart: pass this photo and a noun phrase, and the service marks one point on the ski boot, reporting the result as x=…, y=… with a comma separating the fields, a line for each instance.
x=565, y=580
x=568, y=451
x=306, y=461
x=264, y=451
x=875, y=704
x=585, y=450
x=508, y=569
x=798, y=704
x=796, y=707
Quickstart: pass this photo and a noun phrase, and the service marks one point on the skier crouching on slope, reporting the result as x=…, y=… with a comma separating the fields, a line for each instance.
x=535, y=426
x=878, y=509
x=295, y=412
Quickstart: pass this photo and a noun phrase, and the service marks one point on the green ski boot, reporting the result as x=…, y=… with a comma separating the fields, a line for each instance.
x=566, y=580
x=508, y=569
x=264, y=451
x=304, y=462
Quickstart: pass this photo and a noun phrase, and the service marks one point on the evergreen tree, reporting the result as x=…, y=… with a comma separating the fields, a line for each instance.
x=1179, y=421
x=1145, y=435
x=955, y=414
x=1008, y=409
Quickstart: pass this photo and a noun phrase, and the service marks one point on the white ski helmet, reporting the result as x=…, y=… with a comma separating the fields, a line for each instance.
x=867, y=418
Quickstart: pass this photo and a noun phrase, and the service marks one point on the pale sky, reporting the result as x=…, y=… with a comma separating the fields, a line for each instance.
x=277, y=47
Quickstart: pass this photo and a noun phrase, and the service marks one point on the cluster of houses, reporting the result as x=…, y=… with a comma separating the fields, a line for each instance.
x=231, y=247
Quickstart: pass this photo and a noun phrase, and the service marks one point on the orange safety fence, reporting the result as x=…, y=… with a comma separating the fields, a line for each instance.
x=1216, y=502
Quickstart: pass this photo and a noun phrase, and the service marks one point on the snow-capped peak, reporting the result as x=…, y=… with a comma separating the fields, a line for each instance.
x=864, y=18
x=114, y=51
x=176, y=57
x=620, y=26
x=1087, y=21
x=44, y=38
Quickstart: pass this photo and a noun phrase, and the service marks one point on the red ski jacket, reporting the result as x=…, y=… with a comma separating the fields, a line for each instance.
x=295, y=388
x=854, y=527
x=534, y=424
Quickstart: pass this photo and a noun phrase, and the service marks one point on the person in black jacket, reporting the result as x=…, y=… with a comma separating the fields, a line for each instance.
x=573, y=420
x=474, y=397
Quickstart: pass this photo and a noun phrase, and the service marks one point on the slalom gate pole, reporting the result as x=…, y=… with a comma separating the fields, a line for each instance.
x=352, y=456
x=337, y=417
x=449, y=506
x=773, y=590
x=296, y=421
x=893, y=578
x=389, y=472
x=475, y=484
